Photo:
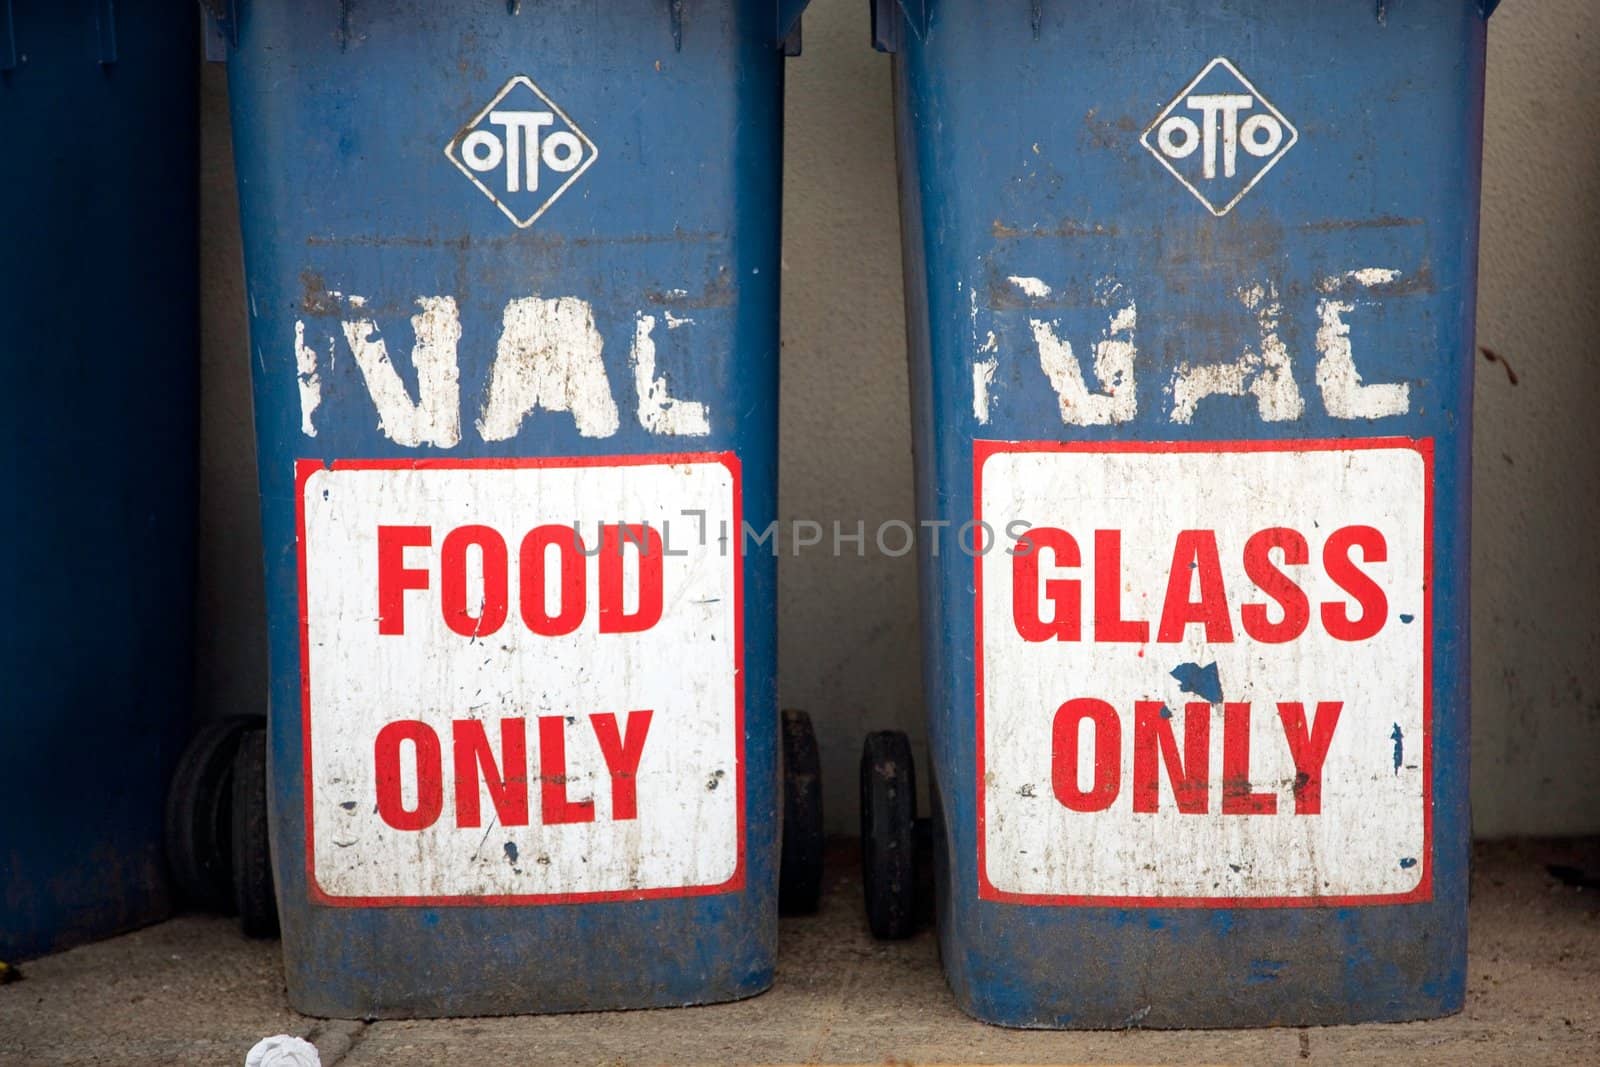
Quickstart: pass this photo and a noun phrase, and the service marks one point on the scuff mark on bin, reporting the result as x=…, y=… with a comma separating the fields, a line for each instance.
x=1379, y=222
x=1263, y=971
x=315, y=298
x=1065, y=228
x=305, y=359
x=1383, y=281
x=717, y=293
x=522, y=240
x=1111, y=135
x=982, y=378
x=1031, y=286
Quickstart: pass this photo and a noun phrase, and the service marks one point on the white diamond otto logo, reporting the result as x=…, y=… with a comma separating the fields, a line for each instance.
x=1220, y=136
x=522, y=151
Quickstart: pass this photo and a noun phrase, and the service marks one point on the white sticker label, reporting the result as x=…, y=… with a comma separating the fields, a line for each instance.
x=517, y=689
x=1204, y=673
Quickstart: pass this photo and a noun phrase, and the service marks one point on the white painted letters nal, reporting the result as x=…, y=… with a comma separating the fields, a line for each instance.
x=548, y=359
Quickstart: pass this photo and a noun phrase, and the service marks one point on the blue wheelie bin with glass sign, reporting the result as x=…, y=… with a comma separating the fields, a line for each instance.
x=1191, y=296
x=513, y=282
x=99, y=342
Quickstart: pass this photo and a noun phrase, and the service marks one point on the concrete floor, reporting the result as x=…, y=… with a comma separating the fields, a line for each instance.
x=192, y=991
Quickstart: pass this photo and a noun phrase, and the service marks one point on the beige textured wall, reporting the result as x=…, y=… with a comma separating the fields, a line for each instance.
x=1536, y=513
x=847, y=626
x=231, y=643
x=848, y=635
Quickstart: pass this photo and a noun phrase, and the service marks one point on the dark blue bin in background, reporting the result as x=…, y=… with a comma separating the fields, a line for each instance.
x=1191, y=290
x=99, y=337
x=513, y=280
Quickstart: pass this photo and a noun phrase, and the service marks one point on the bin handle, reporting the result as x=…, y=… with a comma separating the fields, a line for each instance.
x=888, y=15
x=8, y=38
x=221, y=29
x=105, y=24
x=786, y=24
x=918, y=13
x=789, y=17
x=105, y=31
x=221, y=15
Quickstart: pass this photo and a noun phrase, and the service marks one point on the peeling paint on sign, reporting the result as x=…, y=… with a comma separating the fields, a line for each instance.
x=305, y=360
x=435, y=417
x=1263, y=369
x=1343, y=391
x=549, y=358
x=1263, y=769
x=517, y=687
x=1264, y=372
x=982, y=378
x=658, y=411
x=1115, y=400
x=1031, y=286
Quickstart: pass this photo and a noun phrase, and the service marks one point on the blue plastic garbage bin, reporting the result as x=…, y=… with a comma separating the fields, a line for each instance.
x=513, y=282
x=98, y=333
x=1191, y=289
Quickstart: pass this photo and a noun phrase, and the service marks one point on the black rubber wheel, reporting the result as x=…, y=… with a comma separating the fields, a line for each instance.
x=199, y=826
x=252, y=855
x=888, y=834
x=800, y=869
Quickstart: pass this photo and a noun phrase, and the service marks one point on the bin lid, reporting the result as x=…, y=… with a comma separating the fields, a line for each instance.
x=786, y=16
x=919, y=13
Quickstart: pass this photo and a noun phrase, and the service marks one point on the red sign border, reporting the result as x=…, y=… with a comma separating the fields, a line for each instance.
x=305, y=468
x=982, y=450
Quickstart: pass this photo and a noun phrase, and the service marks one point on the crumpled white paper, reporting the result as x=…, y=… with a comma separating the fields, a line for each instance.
x=283, y=1051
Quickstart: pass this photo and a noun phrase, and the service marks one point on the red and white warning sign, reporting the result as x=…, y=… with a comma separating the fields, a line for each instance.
x=521, y=679
x=1203, y=672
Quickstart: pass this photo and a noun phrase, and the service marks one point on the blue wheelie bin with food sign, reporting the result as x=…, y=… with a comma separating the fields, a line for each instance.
x=513, y=281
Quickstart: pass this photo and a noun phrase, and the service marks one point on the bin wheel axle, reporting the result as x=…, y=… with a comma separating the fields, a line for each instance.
x=252, y=854
x=800, y=868
x=893, y=838
x=216, y=824
x=198, y=827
